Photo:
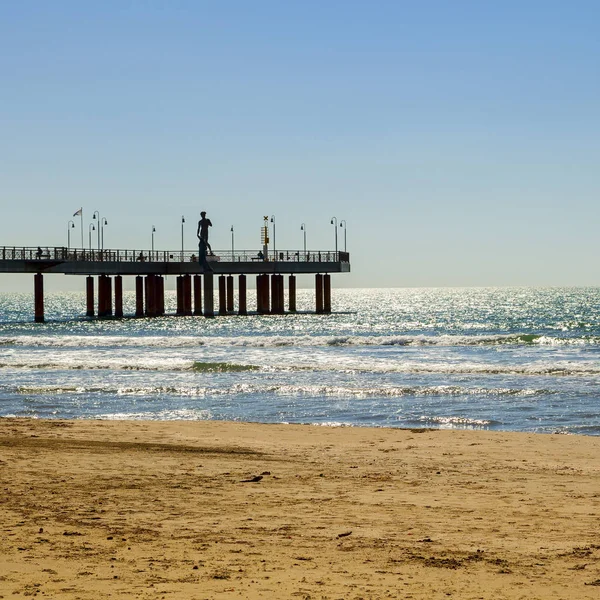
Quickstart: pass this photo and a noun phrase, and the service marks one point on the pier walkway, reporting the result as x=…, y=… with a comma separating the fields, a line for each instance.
x=195, y=282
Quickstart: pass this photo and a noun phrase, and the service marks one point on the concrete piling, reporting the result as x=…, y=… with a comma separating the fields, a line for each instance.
x=187, y=295
x=277, y=294
x=222, y=294
x=264, y=297
x=209, y=301
x=150, y=289
x=319, y=293
x=292, y=293
x=104, y=296
x=139, y=296
x=89, y=292
x=119, y=297
x=197, y=294
x=327, y=293
x=242, y=310
x=38, y=292
x=229, y=293
x=179, y=294
x=160, y=291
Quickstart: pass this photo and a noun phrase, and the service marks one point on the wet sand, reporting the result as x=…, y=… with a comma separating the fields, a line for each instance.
x=194, y=510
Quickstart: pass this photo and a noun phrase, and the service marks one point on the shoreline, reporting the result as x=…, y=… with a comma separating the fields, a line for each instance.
x=217, y=509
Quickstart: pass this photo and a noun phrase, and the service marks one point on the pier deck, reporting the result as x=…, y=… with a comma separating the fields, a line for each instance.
x=195, y=281
x=140, y=262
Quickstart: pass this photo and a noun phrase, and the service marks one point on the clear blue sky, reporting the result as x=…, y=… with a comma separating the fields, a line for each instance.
x=460, y=140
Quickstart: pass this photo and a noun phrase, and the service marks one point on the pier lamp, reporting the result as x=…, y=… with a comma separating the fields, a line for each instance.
x=95, y=216
x=91, y=228
x=303, y=229
x=153, y=231
x=70, y=225
x=274, y=244
x=232, y=246
x=343, y=224
x=182, y=222
x=334, y=222
x=103, y=222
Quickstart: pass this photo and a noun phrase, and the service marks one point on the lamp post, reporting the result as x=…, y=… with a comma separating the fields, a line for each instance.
x=232, y=246
x=274, y=244
x=334, y=222
x=90, y=229
x=70, y=225
x=103, y=222
x=303, y=229
x=343, y=224
x=95, y=216
x=182, y=222
x=153, y=230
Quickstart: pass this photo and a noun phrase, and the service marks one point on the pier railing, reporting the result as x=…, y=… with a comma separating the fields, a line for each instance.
x=64, y=254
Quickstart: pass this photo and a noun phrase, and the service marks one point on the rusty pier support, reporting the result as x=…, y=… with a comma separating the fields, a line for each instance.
x=242, y=307
x=118, y=296
x=139, y=296
x=186, y=287
x=259, y=291
x=327, y=293
x=197, y=294
x=209, y=301
x=179, y=293
x=104, y=296
x=262, y=294
x=277, y=294
x=229, y=293
x=222, y=294
x=38, y=291
x=150, y=289
x=160, y=295
x=319, y=293
x=274, y=294
x=89, y=292
x=292, y=293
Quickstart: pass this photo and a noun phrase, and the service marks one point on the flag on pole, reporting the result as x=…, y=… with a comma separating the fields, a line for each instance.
x=79, y=212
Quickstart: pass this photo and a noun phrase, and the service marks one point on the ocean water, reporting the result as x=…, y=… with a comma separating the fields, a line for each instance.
x=520, y=359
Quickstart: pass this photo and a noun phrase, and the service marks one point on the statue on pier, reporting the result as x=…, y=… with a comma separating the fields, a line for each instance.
x=202, y=232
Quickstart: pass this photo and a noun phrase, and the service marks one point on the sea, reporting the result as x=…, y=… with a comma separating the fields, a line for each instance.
x=510, y=359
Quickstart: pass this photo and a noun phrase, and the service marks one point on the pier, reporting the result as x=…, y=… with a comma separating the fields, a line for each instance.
x=104, y=270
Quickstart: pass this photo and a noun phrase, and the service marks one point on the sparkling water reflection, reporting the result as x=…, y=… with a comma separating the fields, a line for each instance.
x=520, y=359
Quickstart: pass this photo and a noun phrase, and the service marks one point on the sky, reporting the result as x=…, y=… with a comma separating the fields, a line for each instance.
x=458, y=140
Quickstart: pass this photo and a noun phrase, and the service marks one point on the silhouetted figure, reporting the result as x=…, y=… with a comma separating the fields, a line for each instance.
x=202, y=233
x=39, y=253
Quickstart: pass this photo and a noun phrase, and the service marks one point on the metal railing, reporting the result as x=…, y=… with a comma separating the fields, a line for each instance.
x=64, y=254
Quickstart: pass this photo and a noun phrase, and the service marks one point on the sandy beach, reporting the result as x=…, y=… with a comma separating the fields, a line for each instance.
x=138, y=509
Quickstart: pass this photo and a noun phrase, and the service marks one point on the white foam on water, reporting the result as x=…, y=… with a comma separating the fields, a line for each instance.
x=277, y=389
x=183, y=414
x=282, y=341
x=456, y=421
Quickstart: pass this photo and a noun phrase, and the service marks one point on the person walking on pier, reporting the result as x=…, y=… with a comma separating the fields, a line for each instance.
x=202, y=233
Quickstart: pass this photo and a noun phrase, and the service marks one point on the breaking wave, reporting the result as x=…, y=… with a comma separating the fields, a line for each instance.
x=456, y=422
x=278, y=341
x=165, y=364
x=323, y=391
